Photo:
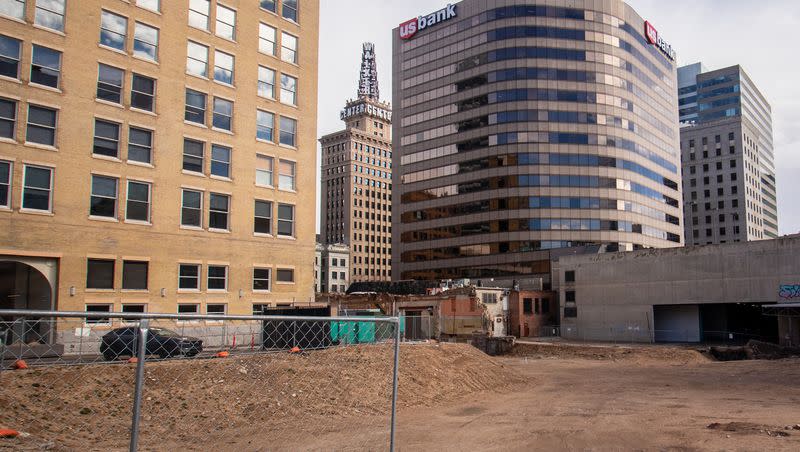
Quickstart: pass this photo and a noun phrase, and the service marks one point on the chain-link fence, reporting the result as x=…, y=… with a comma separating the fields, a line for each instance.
x=625, y=334
x=191, y=382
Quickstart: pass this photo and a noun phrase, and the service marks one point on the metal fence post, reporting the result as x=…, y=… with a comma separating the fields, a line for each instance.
x=394, y=383
x=137, y=395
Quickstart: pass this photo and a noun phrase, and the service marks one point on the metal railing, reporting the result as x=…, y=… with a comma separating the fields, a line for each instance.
x=192, y=381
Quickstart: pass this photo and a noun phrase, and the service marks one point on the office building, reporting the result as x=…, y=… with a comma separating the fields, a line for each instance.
x=356, y=179
x=728, y=160
x=332, y=268
x=157, y=156
x=522, y=127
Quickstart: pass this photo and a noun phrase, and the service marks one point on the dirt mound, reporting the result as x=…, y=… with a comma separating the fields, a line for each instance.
x=639, y=354
x=748, y=428
x=75, y=406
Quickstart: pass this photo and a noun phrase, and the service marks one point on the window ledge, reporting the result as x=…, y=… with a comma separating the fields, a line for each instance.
x=262, y=235
x=283, y=237
x=146, y=60
x=192, y=228
x=45, y=147
x=146, y=112
x=121, y=52
x=105, y=219
x=9, y=79
x=225, y=131
x=193, y=173
x=51, y=30
x=140, y=291
x=5, y=209
x=287, y=146
x=286, y=190
x=195, y=124
x=220, y=178
x=106, y=157
x=290, y=105
x=139, y=223
x=201, y=77
x=88, y=290
x=14, y=19
x=227, y=85
x=109, y=103
x=8, y=140
x=261, y=140
x=189, y=291
x=218, y=291
x=284, y=283
x=272, y=98
x=45, y=87
x=44, y=213
x=142, y=164
x=219, y=231
x=270, y=187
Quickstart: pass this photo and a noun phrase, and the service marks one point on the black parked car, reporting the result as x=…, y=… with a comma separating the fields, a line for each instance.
x=160, y=341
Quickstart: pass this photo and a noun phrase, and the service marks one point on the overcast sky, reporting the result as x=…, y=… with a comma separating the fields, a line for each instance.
x=759, y=35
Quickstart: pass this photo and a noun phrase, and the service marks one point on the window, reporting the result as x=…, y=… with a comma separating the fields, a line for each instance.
x=269, y=5
x=264, y=170
x=195, y=106
x=189, y=309
x=545, y=305
x=223, y=112
x=569, y=276
x=9, y=55
x=5, y=184
x=50, y=14
x=106, y=138
x=223, y=67
x=266, y=82
x=266, y=39
x=220, y=161
x=145, y=42
x=16, y=8
x=37, y=188
x=140, y=145
x=285, y=220
x=193, y=155
x=45, y=66
x=113, y=30
x=217, y=277
x=98, y=308
x=198, y=13
x=289, y=48
x=289, y=10
x=285, y=275
x=286, y=179
x=265, y=124
x=197, y=59
x=134, y=308
x=138, y=207
x=191, y=208
x=189, y=277
x=99, y=274
x=153, y=5
x=109, y=83
x=134, y=275
x=288, y=131
x=263, y=217
x=569, y=295
x=217, y=309
x=733, y=163
x=288, y=90
x=8, y=118
x=261, y=278
x=104, y=197
x=219, y=209
x=143, y=92
x=226, y=23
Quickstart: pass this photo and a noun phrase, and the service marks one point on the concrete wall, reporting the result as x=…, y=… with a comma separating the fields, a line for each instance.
x=615, y=293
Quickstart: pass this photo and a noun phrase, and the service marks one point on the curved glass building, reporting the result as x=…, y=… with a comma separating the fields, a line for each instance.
x=522, y=127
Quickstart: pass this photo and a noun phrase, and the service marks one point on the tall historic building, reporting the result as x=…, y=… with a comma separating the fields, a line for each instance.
x=523, y=126
x=729, y=187
x=157, y=155
x=357, y=180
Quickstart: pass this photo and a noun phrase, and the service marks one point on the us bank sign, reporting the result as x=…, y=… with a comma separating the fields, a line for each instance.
x=651, y=34
x=410, y=27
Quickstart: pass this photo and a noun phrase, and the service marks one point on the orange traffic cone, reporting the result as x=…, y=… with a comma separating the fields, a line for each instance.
x=20, y=365
x=8, y=433
x=133, y=360
x=295, y=350
x=222, y=354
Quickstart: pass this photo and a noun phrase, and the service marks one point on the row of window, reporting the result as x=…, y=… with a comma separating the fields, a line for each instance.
x=45, y=62
x=101, y=275
x=37, y=195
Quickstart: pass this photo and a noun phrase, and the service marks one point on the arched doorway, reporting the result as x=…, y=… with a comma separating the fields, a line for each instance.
x=23, y=287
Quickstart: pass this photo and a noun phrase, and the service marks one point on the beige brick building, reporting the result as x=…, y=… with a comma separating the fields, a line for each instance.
x=357, y=180
x=157, y=156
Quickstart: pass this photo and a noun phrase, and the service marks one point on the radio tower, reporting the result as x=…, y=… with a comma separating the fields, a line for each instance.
x=368, y=82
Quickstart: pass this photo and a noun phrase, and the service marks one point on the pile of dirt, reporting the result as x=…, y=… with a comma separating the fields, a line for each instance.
x=75, y=406
x=749, y=428
x=754, y=350
x=643, y=355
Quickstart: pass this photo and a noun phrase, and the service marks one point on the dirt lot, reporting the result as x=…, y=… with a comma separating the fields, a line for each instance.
x=544, y=397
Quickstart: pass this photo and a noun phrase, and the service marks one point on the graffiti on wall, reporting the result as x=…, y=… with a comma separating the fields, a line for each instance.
x=789, y=292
